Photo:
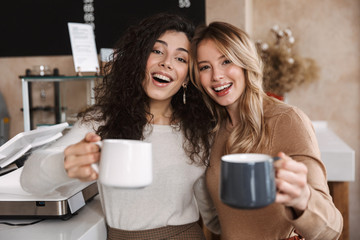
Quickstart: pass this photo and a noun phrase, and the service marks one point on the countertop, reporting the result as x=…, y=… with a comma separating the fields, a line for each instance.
x=87, y=224
x=338, y=157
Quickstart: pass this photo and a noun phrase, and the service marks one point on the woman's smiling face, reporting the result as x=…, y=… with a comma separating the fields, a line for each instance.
x=167, y=66
x=222, y=80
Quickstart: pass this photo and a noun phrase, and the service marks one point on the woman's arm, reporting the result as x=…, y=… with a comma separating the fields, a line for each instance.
x=206, y=206
x=305, y=192
x=44, y=170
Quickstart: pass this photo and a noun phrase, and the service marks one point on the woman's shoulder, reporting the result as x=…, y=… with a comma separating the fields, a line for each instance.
x=274, y=109
x=289, y=128
x=278, y=113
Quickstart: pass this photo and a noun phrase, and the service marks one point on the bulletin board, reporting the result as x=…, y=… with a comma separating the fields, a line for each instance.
x=39, y=27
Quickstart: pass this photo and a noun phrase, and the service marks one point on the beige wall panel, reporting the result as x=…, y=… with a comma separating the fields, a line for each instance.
x=232, y=11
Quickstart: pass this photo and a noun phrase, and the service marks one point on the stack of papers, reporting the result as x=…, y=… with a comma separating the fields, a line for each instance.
x=25, y=141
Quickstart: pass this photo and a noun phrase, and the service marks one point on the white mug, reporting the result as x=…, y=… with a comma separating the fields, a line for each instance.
x=125, y=163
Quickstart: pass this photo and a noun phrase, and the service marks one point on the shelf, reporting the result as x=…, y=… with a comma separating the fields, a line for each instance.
x=28, y=107
x=51, y=78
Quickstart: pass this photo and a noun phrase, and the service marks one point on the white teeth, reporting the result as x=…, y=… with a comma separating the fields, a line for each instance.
x=222, y=87
x=162, y=77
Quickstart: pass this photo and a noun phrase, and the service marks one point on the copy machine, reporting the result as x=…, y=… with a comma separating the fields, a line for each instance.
x=15, y=202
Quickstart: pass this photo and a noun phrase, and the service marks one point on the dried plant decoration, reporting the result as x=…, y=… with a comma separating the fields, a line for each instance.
x=284, y=69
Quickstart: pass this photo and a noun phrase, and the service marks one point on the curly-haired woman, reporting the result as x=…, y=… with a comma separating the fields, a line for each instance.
x=145, y=95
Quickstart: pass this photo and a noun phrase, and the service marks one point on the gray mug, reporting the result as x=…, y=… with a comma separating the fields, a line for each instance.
x=247, y=180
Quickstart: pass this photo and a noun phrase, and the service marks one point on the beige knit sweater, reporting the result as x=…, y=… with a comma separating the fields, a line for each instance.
x=290, y=131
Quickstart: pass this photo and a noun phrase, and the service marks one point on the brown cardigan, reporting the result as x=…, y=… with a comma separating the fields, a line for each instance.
x=291, y=132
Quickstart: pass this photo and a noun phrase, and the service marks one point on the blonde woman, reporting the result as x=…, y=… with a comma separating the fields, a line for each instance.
x=228, y=71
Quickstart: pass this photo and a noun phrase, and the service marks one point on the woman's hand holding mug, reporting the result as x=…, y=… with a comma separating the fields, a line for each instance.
x=250, y=181
x=291, y=183
x=80, y=156
x=124, y=163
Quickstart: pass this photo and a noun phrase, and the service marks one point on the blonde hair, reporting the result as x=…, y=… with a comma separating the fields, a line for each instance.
x=235, y=44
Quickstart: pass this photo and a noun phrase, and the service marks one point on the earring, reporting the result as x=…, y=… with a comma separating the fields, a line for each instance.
x=184, y=94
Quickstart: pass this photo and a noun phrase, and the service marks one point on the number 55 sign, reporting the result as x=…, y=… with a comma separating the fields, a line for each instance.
x=184, y=3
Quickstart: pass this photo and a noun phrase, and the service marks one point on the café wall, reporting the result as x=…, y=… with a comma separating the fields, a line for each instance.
x=326, y=31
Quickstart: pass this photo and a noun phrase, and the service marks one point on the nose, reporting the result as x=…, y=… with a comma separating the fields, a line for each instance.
x=166, y=63
x=217, y=75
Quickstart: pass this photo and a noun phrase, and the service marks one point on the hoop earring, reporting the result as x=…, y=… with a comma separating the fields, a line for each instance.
x=184, y=94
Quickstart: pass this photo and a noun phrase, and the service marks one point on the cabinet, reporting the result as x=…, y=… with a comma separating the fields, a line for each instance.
x=61, y=97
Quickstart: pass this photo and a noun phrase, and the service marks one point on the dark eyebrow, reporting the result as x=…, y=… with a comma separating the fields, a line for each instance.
x=202, y=62
x=165, y=43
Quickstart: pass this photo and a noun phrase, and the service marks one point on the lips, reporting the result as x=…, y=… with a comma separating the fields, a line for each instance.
x=222, y=87
x=221, y=90
x=161, y=78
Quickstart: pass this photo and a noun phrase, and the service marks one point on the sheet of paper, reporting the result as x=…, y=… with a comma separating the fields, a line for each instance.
x=83, y=47
x=24, y=141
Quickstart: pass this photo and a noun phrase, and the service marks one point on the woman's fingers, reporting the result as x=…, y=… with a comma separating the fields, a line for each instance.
x=92, y=137
x=84, y=173
x=79, y=166
x=75, y=161
x=294, y=177
x=289, y=164
x=291, y=190
x=82, y=147
x=291, y=182
x=80, y=156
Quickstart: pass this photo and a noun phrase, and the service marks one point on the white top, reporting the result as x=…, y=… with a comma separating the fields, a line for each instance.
x=175, y=196
x=338, y=157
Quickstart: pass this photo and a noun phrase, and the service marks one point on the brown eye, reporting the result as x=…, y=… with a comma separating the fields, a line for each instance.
x=156, y=51
x=204, y=67
x=181, y=60
x=226, y=62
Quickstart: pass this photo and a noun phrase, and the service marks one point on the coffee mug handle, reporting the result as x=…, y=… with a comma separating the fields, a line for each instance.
x=276, y=158
x=95, y=166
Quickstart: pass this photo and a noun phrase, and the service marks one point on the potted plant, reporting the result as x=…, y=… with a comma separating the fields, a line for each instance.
x=284, y=69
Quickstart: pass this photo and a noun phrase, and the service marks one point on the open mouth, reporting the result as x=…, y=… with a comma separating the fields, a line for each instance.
x=223, y=87
x=161, y=78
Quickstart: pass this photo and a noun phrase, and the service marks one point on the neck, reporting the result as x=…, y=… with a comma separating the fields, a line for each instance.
x=233, y=116
x=161, y=111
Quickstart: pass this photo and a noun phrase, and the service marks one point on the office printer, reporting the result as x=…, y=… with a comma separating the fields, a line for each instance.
x=15, y=202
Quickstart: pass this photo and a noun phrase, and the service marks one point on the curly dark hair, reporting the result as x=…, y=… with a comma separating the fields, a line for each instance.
x=122, y=104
